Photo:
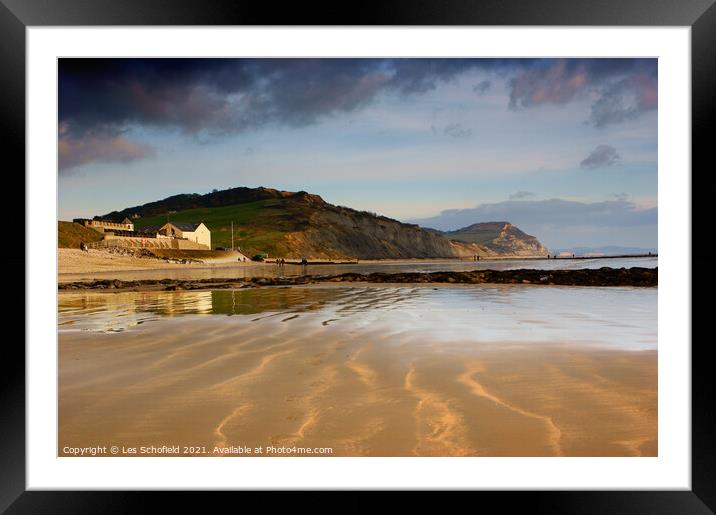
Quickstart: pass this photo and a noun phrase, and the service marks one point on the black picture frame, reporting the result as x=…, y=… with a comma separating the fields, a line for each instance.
x=700, y=15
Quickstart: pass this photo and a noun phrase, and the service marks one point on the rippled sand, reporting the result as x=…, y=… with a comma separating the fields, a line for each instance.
x=358, y=370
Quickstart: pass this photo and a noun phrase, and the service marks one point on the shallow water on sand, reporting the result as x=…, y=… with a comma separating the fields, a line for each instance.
x=194, y=272
x=622, y=318
x=479, y=370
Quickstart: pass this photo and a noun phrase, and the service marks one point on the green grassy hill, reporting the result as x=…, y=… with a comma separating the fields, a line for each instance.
x=70, y=234
x=290, y=224
x=258, y=226
x=299, y=224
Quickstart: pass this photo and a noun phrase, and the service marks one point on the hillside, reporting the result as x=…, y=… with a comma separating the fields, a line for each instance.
x=499, y=237
x=294, y=225
x=70, y=234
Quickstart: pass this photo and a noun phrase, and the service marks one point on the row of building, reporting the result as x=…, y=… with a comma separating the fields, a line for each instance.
x=196, y=235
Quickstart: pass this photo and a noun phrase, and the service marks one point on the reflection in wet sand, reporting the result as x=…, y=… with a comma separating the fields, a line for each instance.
x=343, y=368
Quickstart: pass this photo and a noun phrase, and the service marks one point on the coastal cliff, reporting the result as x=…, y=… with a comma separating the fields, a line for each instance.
x=499, y=238
x=301, y=224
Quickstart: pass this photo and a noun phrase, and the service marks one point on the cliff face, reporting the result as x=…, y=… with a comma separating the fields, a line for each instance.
x=339, y=232
x=502, y=238
x=294, y=225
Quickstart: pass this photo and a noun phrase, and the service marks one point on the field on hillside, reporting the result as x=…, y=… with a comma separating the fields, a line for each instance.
x=70, y=234
x=257, y=225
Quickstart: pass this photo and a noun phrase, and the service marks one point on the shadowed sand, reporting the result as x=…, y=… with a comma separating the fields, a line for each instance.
x=294, y=379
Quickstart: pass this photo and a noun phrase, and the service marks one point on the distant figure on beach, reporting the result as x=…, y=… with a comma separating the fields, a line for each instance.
x=572, y=256
x=83, y=246
x=304, y=261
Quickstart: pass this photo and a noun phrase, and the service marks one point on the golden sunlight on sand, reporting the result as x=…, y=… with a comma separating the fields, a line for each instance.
x=290, y=380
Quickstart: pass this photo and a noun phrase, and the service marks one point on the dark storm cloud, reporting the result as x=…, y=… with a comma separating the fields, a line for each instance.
x=415, y=76
x=625, y=100
x=220, y=96
x=621, y=89
x=231, y=95
x=602, y=156
x=223, y=96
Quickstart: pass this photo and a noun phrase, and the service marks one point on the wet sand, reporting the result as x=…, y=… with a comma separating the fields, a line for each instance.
x=364, y=383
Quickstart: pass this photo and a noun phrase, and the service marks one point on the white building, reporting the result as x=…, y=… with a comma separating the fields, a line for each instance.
x=196, y=232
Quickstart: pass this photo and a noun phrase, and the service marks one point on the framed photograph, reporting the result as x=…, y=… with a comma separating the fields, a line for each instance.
x=414, y=250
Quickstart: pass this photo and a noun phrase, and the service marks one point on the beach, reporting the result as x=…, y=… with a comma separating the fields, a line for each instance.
x=75, y=265
x=75, y=261
x=363, y=371
x=372, y=257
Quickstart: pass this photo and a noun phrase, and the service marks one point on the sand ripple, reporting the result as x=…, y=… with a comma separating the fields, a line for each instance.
x=335, y=377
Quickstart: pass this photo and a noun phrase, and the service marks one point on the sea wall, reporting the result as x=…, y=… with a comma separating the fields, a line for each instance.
x=111, y=240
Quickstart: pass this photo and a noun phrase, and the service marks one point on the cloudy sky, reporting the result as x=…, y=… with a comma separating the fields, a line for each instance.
x=564, y=148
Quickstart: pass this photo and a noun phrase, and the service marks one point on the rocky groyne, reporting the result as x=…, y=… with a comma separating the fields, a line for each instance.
x=644, y=277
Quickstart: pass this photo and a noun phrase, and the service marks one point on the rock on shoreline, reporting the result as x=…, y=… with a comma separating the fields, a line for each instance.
x=645, y=277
